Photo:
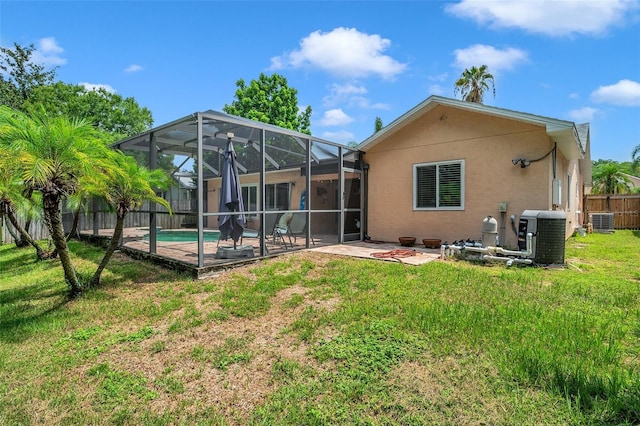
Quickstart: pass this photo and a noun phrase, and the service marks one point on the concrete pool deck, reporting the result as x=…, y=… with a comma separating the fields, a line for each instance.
x=367, y=250
x=183, y=256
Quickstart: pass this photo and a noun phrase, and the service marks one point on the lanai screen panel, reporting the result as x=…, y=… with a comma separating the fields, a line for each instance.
x=273, y=167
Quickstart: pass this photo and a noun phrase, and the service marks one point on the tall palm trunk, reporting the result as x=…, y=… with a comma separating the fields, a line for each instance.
x=22, y=241
x=9, y=228
x=113, y=245
x=53, y=215
x=74, y=227
x=24, y=235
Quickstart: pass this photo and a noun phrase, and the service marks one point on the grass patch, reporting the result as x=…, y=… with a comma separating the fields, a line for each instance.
x=368, y=342
x=232, y=351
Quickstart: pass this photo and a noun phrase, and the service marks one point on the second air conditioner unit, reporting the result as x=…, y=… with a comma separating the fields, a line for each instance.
x=602, y=222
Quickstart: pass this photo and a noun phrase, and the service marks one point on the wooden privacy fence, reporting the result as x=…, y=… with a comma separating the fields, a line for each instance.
x=625, y=209
x=39, y=231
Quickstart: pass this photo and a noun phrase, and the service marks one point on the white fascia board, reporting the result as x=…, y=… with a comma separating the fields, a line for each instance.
x=561, y=131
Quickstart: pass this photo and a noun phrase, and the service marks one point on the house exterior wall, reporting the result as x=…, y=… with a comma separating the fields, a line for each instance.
x=323, y=195
x=487, y=144
x=288, y=176
x=567, y=172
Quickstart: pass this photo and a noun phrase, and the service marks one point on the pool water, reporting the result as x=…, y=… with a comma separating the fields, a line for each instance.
x=183, y=236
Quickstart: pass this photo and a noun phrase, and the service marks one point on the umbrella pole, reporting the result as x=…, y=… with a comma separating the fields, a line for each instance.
x=234, y=241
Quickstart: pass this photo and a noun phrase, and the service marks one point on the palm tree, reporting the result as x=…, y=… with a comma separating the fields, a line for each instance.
x=377, y=125
x=125, y=192
x=12, y=201
x=54, y=153
x=472, y=84
x=635, y=158
x=608, y=178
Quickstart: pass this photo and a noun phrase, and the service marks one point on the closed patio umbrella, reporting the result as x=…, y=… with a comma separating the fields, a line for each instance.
x=232, y=223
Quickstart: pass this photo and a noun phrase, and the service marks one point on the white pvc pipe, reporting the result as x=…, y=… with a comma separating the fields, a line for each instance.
x=525, y=253
x=489, y=253
x=508, y=260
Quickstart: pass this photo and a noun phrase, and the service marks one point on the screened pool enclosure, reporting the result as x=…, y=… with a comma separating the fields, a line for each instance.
x=298, y=191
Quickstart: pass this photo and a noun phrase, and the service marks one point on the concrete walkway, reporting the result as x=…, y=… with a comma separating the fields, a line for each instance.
x=370, y=250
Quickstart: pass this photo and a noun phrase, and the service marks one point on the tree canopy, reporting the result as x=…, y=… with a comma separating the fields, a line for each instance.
x=109, y=112
x=20, y=75
x=27, y=86
x=53, y=155
x=609, y=178
x=125, y=192
x=269, y=99
x=635, y=158
x=377, y=125
x=472, y=84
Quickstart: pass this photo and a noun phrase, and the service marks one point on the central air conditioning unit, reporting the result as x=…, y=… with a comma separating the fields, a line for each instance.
x=548, y=229
x=602, y=222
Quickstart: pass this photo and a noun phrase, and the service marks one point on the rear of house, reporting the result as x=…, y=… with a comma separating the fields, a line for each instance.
x=444, y=166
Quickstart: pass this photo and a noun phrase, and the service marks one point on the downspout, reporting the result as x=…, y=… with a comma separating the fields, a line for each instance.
x=365, y=204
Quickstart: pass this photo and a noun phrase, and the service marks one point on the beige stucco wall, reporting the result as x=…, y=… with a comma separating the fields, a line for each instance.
x=487, y=145
x=286, y=176
x=322, y=196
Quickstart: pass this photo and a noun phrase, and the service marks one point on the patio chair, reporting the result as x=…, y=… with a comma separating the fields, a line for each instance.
x=271, y=229
x=281, y=229
x=298, y=226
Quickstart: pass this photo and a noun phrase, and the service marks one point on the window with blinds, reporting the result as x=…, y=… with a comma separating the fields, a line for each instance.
x=438, y=186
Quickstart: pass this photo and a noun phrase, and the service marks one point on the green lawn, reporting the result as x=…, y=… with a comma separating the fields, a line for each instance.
x=317, y=339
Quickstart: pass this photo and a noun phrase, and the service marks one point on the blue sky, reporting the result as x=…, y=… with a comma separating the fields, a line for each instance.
x=351, y=61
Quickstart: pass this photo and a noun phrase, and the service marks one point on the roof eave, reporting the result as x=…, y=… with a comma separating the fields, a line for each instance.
x=562, y=132
x=566, y=138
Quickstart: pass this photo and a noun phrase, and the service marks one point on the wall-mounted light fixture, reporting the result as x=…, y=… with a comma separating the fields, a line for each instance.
x=523, y=162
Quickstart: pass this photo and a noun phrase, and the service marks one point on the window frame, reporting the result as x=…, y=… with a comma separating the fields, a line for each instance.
x=437, y=165
x=277, y=204
x=250, y=213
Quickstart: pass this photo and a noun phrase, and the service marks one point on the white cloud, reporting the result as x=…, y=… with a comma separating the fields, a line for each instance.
x=343, y=52
x=335, y=117
x=48, y=45
x=48, y=53
x=341, y=93
x=341, y=136
x=133, y=68
x=350, y=94
x=365, y=103
x=96, y=87
x=436, y=89
x=624, y=92
x=584, y=114
x=574, y=96
x=550, y=17
x=495, y=59
x=439, y=78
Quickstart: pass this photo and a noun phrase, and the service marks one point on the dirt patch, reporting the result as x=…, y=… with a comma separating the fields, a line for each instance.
x=184, y=357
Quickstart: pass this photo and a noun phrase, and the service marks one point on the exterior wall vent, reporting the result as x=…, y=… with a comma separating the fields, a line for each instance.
x=602, y=222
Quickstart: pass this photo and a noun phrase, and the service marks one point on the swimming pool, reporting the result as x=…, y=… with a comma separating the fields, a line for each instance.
x=183, y=236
